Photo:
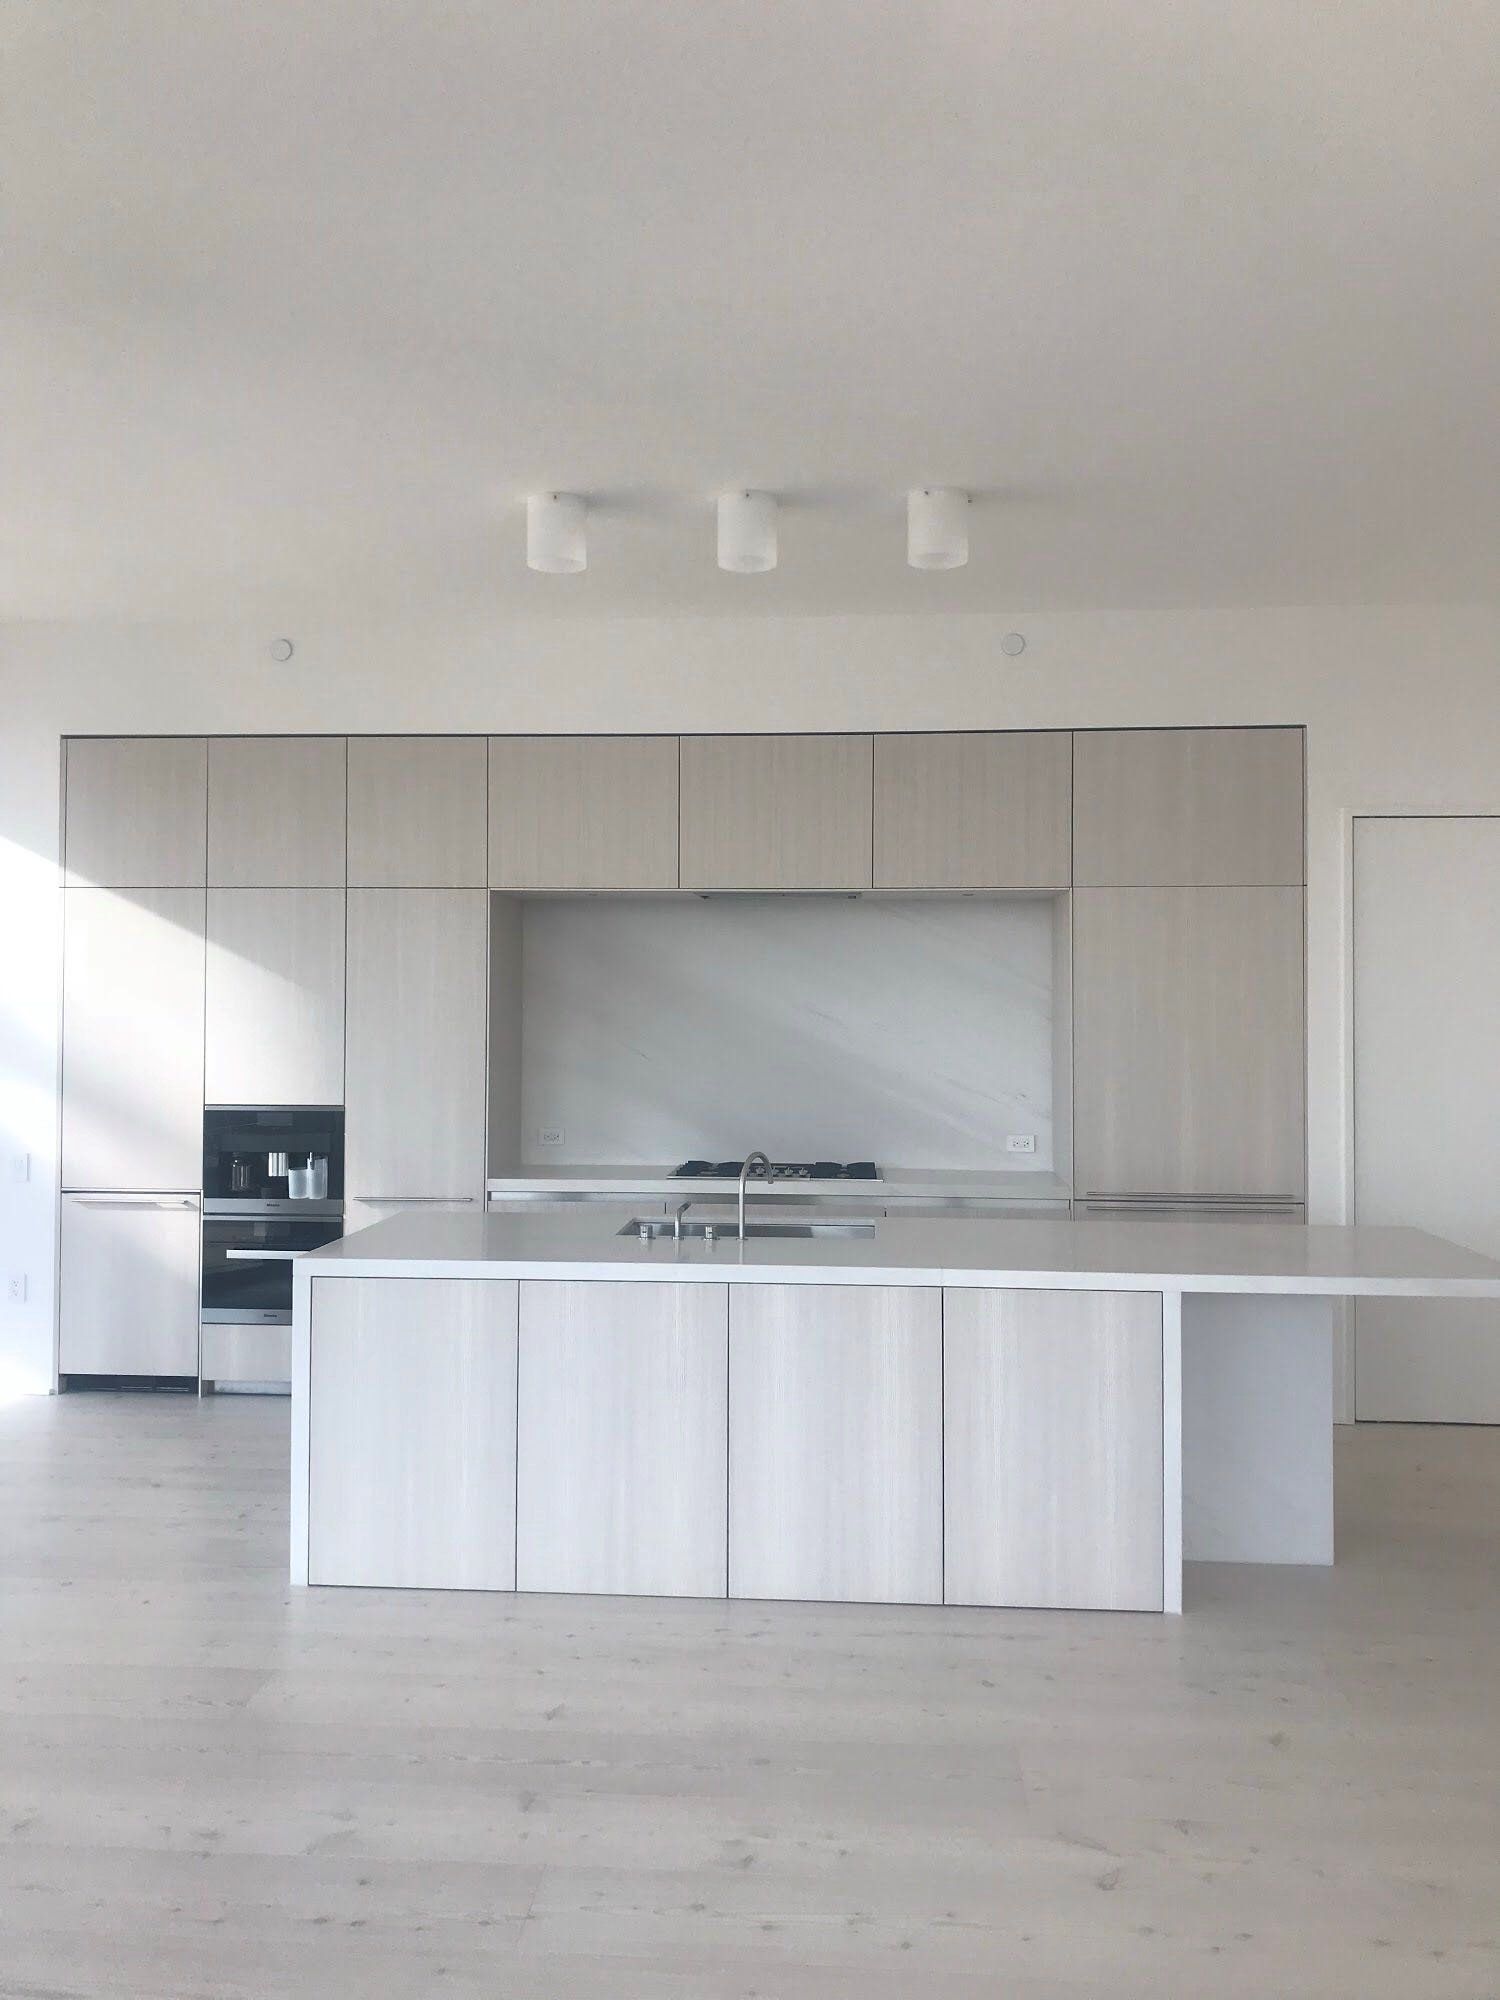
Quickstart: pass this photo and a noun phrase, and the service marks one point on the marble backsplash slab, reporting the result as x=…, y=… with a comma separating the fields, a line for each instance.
x=912, y=1030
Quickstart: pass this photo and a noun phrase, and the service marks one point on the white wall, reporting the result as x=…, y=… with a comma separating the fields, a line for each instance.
x=1402, y=707
x=916, y=1031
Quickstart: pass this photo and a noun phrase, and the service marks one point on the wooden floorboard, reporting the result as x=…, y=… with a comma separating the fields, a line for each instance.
x=211, y=1785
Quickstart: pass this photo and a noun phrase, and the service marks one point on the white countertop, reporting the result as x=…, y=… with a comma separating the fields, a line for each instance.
x=1099, y=1255
x=659, y=1183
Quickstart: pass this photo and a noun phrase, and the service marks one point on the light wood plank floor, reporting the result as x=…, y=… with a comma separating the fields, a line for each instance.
x=210, y=1785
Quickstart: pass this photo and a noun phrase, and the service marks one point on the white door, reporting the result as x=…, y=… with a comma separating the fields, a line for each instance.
x=1427, y=1102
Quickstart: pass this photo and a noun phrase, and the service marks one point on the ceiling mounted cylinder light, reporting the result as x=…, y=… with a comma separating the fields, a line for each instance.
x=747, y=531
x=556, y=533
x=937, y=527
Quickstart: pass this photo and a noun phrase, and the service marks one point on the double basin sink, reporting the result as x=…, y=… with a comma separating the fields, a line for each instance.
x=701, y=1229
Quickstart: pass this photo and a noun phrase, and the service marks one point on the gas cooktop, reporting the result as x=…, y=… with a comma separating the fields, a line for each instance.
x=781, y=1170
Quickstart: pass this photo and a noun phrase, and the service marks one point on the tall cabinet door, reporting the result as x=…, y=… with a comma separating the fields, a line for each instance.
x=128, y=1285
x=415, y=1041
x=1052, y=1458
x=1188, y=1042
x=132, y=1067
x=274, y=1019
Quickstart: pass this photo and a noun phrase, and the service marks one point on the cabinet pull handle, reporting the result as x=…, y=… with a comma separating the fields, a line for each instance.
x=410, y=1200
x=128, y=1201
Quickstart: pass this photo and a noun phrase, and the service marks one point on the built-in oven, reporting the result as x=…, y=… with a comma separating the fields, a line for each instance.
x=273, y=1189
x=247, y=1264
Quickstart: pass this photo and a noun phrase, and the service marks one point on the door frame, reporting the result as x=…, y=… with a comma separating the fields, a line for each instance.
x=1349, y=819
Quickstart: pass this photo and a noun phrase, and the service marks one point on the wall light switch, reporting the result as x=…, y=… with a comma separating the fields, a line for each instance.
x=20, y=1166
x=15, y=1290
x=550, y=1135
x=1021, y=1142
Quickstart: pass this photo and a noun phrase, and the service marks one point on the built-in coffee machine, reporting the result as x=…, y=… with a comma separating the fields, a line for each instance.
x=273, y=1187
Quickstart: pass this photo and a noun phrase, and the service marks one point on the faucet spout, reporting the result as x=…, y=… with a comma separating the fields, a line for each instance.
x=751, y=1160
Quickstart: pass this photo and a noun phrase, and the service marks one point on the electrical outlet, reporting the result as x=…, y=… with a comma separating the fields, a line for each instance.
x=1021, y=1142
x=550, y=1135
x=15, y=1289
x=20, y=1166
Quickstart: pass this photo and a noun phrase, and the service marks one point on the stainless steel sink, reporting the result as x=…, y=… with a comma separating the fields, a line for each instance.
x=698, y=1229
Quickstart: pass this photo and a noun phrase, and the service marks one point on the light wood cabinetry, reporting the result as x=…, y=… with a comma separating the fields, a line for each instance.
x=414, y=1051
x=621, y=1470
x=411, y=1432
x=1188, y=1042
x=777, y=812
x=583, y=812
x=128, y=1285
x=274, y=1018
x=136, y=812
x=835, y=1443
x=276, y=812
x=1053, y=1449
x=417, y=812
x=1188, y=807
x=132, y=1068
x=244, y=1354
x=982, y=810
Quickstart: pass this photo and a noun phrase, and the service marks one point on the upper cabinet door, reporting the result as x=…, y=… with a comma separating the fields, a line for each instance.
x=137, y=812
x=276, y=812
x=583, y=812
x=1185, y=807
x=416, y=812
x=1188, y=1042
x=132, y=1064
x=976, y=811
x=414, y=1065
x=274, y=1020
x=777, y=812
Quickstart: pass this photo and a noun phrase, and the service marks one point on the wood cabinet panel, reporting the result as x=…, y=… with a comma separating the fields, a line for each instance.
x=986, y=810
x=415, y=1043
x=417, y=808
x=411, y=1432
x=621, y=1469
x=1053, y=1449
x=835, y=1443
x=136, y=812
x=276, y=812
x=1188, y=1042
x=132, y=1059
x=274, y=1020
x=128, y=1285
x=1186, y=807
x=583, y=812
x=777, y=812
x=245, y=1353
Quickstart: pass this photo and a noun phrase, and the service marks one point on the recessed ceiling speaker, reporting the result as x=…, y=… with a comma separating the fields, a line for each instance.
x=747, y=531
x=937, y=527
x=556, y=533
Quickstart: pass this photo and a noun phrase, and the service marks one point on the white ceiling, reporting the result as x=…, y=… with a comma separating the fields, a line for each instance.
x=302, y=296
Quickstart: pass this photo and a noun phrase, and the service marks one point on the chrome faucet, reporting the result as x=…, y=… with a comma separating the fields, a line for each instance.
x=677, y=1214
x=765, y=1165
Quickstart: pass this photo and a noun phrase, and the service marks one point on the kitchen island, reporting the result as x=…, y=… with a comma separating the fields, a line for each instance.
x=941, y=1410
